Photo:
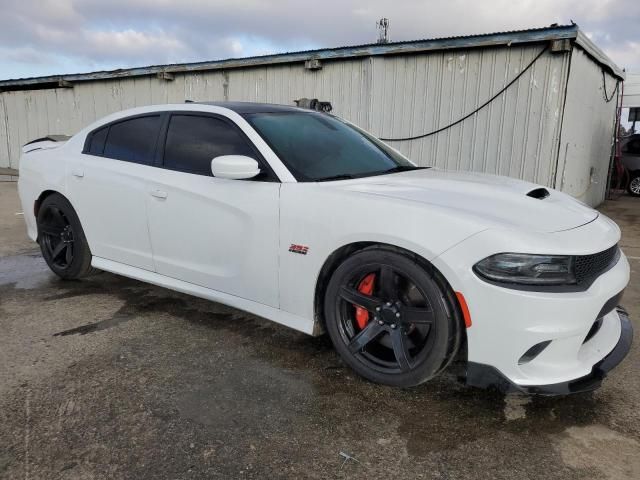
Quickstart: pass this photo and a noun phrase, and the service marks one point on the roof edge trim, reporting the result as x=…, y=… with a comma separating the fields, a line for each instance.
x=599, y=56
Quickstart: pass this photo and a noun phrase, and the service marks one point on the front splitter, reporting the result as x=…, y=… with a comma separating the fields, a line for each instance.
x=488, y=377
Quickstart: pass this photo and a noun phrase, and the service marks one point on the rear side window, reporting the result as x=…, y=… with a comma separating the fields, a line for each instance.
x=133, y=140
x=96, y=145
x=193, y=141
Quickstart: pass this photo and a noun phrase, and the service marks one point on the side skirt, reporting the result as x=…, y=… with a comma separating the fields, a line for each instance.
x=274, y=314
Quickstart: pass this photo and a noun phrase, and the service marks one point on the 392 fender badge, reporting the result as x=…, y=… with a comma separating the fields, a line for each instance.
x=301, y=249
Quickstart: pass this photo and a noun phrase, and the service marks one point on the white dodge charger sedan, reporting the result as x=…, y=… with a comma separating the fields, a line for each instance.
x=305, y=219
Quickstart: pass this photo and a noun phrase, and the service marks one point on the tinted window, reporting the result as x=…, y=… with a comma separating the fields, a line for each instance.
x=96, y=146
x=193, y=141
x=316, y=146
x=133, y=140
x=633, y=146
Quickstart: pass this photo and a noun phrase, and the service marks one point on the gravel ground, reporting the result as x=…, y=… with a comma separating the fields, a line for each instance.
x=112, y=378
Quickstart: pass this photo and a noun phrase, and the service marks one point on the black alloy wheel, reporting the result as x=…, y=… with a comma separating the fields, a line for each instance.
x=62, y=240
x=56, y=237
x=390, y=319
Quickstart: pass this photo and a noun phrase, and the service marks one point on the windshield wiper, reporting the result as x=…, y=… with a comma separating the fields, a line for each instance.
x=342, y=176
x=403, y=168
x=396, y=169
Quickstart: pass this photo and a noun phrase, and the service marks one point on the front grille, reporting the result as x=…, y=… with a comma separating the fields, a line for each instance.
x=589, y=267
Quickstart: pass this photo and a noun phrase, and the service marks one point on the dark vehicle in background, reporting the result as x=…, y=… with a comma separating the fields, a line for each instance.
x=630, y=158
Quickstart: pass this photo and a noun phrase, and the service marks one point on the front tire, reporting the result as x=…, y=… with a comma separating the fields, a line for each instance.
x=391, y=319
x=61, y=238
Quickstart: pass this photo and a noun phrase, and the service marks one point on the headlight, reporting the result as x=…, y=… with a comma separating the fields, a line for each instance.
x=527, y=269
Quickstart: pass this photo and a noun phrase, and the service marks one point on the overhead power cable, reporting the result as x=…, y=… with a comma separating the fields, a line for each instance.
x=514, y=80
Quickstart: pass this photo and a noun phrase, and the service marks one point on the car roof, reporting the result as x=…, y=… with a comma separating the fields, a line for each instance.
x=254, y=107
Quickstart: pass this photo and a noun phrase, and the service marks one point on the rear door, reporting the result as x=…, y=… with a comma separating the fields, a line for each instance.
x=216, y=233
x=107, y=185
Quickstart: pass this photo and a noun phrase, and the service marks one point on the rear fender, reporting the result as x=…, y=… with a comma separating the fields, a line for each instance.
x=41, y=170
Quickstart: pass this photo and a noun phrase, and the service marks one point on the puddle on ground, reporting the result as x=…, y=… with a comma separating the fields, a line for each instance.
x=25, y=272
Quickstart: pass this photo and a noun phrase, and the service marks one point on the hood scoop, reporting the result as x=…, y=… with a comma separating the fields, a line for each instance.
x=539, y=193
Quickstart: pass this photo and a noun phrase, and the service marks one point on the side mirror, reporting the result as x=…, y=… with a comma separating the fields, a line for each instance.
x=234, y=167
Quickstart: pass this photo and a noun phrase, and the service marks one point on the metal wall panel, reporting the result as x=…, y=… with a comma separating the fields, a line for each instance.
x=514, y=135
x=391, y=96
x=398, y=95
x=587, y=131
x=344, y=83
x=631, y=91
x=29, y=114
x=5, y=153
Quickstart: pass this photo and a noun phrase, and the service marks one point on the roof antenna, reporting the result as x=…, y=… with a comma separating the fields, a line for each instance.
x=383, y=30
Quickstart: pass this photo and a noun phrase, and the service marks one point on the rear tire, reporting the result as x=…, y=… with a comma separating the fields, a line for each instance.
x=412, y=327
x=62, y=240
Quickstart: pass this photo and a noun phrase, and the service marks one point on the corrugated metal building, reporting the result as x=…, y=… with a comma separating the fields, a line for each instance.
x=631, y=97
x=534, y=104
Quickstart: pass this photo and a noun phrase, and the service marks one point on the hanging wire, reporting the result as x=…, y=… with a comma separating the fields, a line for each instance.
x=476, y=110
x=608, y=98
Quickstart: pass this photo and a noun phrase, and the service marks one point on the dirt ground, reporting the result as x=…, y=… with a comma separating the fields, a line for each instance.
x=110, y=378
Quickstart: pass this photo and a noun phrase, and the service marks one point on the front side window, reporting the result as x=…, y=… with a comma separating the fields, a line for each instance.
x=316, y=146
x=133, y=140
x=193, y=141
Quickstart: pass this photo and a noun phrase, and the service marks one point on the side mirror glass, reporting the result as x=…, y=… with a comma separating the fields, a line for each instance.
x=234, y=167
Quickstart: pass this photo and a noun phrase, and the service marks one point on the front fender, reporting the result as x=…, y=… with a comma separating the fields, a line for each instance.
x=325, y=219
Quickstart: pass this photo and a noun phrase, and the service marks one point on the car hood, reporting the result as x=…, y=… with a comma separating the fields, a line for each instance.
x=500, y=201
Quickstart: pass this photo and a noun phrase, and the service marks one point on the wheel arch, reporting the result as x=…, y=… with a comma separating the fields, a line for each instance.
x=340, y=254
x=44, y=194
x=40, y=200
x=328, y=267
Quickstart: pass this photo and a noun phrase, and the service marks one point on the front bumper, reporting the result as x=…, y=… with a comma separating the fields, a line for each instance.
x=485, y=376
x=508, y=325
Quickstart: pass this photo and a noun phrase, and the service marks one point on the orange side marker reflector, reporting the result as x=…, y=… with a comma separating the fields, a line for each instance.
x=465, y=309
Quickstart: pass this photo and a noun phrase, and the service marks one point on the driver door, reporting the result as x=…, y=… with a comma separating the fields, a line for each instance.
x=216, y=233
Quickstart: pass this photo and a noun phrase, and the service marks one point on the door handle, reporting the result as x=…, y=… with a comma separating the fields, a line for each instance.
x=77, y=173
x=158, y=193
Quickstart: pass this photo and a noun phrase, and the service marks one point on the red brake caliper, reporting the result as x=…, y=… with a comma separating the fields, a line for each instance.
x=366, y=287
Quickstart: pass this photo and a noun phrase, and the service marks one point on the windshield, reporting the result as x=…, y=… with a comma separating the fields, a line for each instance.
x=316, y=146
